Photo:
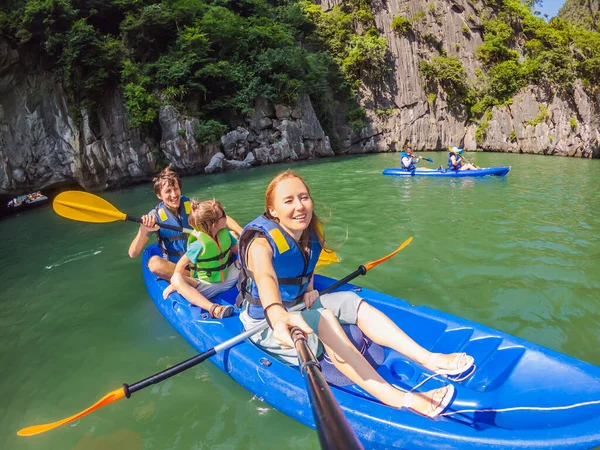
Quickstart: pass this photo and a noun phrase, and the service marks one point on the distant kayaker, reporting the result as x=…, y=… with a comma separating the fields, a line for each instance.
x=278, y=253
x=173, y=209
x=408, y=161
x=456, y=162
x=211, y=255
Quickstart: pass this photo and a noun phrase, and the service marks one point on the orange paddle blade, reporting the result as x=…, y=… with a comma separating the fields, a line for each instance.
x=113, y=396
x=372, y=264
x=86, y=207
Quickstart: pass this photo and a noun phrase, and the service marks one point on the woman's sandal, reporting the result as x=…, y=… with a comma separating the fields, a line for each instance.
x=433, y=410
x=219, y=311
x=461, y=363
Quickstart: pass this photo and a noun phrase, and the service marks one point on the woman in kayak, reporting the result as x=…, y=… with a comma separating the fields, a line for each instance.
x=173, y=209
x=456, y=162
x=211, y=256
x=278, y=253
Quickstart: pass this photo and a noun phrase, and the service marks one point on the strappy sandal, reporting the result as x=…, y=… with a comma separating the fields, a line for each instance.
x=433, y=411
x=461, y=362
x=219, y=311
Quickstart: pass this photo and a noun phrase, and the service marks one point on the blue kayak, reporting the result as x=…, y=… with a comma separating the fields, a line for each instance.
x=481, y=172
x=521, y=395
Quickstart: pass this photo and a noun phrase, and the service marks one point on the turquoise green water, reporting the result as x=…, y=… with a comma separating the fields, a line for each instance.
x=520, y=254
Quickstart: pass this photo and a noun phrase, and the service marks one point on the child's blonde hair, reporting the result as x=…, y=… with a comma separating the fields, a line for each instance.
x=205, y=214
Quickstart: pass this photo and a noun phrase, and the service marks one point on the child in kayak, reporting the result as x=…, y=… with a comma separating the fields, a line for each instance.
x=173, y=209
x=278, y=253
x=211, y=255
x=457, y=162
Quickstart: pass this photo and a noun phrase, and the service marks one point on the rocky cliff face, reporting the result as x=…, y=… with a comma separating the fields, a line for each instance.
x=44, y=144
x=406, y=115
x=585, y=13
x=41, y=145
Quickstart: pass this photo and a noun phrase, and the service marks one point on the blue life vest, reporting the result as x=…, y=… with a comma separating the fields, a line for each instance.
x=173, y=243
x=294, y=269
x=459, y=162
x=412, y=164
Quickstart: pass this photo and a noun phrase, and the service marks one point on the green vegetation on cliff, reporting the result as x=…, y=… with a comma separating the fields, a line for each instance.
x=211, y=58
x=585, y=13
x=552, y=55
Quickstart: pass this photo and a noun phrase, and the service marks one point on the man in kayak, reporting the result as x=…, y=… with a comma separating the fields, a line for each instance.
x=278, y=252
x=173, y=209
x=408, y=161
x=456, y=162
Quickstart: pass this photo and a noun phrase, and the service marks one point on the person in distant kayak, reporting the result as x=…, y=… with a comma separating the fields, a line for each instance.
x=211, y=255
x=278, y=253
x=173, y=209
x=408, y=161
x=457, y=162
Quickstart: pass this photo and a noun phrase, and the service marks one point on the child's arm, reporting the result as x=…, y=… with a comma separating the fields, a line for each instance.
x=234, y=249
x=234, y=226
x=182, y=264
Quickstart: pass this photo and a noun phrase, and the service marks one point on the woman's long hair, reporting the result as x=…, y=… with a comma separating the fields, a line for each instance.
x=205, y=214
x=315, y=224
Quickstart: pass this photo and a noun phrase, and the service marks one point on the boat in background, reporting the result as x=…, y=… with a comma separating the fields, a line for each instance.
x=480, y=172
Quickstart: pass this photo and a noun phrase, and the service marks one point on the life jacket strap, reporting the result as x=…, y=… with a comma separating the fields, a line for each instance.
x=245, y=287
x=209, y=272
x=215, y=258
x=178, y=237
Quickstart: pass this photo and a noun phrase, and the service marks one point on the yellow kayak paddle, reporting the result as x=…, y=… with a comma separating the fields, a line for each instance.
x=86, y=207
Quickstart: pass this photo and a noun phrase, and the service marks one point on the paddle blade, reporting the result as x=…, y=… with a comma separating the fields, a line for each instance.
x=327, y=257
x=109, y=398
x=86, y=207
x=372, y=264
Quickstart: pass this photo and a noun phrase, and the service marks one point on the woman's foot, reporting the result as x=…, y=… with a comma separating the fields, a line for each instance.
x=168, y=291
x=431, y=403
x=449, y=364
x=219, y=311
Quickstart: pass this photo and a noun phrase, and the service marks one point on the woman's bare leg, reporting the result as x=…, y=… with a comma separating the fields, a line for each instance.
x=348, y=360
x=381, y=330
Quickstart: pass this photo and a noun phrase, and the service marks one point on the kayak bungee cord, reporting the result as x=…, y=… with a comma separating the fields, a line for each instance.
x=496, y=410
x=523, y=408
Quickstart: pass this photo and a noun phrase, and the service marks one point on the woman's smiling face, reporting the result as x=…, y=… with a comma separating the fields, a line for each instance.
x=293, y=206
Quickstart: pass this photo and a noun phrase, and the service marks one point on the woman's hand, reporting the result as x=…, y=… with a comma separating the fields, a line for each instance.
x=148, y=224
x=281, y=328
x=310, y=297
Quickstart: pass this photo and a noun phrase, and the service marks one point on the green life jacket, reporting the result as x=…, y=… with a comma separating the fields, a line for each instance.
x=211, y=265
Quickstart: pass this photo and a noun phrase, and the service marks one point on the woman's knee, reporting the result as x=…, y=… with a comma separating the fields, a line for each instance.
x=329, y=322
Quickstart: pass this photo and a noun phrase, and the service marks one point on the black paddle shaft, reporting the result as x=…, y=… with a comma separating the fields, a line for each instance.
x=333, y=428
x=178, y=368
x=162, y=225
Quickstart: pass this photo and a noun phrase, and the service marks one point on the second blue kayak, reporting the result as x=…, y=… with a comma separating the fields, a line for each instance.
x=481, y=172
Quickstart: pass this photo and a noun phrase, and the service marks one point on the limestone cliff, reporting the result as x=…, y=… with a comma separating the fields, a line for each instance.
x=45, y=143
x=570, y=127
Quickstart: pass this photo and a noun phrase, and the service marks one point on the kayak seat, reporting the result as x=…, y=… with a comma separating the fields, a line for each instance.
x=372, y=352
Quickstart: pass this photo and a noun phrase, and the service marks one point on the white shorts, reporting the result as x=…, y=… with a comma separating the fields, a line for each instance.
x=209, y=290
